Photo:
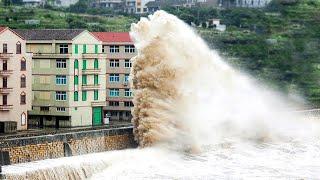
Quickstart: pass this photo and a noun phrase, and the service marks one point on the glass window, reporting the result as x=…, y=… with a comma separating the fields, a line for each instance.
x=63, y=48
x=61, y=109
x=126, y=78
x=23, y=81
x=18, y=48
x=76, y=49
x=76, y=64
x=23, y=98
x=76, y=96
x=114, y=62
x=61, y=95
x=5, y=48
x=129, y=49
x=84, y=48
x=61, y=80
x=84, y=79
x=4, y=65
x=96, y=94
x=96, y=64
x=96, y=48
x=114, y=78
x=127, y=63
x=128, y=104
x=61, y=63
x=84, y=95
x=127, y=93
x=113, y=103
x=84, y=64
x=76, y=80
x=96, y=79
x=114, y=93
x=114, y=49
x=23, y=65
x=44, y=108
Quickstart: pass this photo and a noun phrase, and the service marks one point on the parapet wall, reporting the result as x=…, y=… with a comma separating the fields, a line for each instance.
x=26, y=149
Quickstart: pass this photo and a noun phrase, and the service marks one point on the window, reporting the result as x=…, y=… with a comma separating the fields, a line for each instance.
x=23, y=119
x=104, y=49
x=76, y=80
x=44, y=108
x=61, y=95
x=84, y=48
x=76, y=64
x=84, y=64
x=96, y=95
x=76, y=96
x=113, y=103
x=18, y=48
x=5, y=48
x=96, y=64
x=23, y=98
x=76, y=49
x=96, y=49
x=84, y=79
x=63, y=48
x=4, y=82
x=96, y=79
x=114, y=78
x=127, y=93
x=128, y=104
x=114, y=49
x=61, y=109
x=84, y=95
x=4, y=65
x=127, y=63
x=4, y=99
x=61, y=63
x=23, y=64
x=129, y=49
x=23, y=81
x=114, y=62
x=61, y=79
x=114, y=93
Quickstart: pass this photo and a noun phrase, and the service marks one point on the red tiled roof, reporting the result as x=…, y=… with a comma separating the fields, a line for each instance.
x=2, y=28
x=113, y=36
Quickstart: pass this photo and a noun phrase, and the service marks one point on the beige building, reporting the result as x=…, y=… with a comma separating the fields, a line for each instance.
x=15, y=78
x=119, y=50
x=68, y=77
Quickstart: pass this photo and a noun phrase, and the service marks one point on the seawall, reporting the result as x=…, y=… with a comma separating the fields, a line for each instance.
x=27, y=149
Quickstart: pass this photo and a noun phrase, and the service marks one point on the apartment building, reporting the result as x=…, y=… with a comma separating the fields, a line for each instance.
x=15, y=79
x=68, y=81
x=119, y=50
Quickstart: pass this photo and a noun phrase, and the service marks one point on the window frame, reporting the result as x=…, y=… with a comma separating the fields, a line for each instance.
x=61, y=96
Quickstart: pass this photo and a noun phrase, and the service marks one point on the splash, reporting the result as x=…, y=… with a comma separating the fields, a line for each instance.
x=186, y=94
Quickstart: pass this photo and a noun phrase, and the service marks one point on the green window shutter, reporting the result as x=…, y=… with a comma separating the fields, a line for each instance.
x=96, y=79
x=76, y=96
x=84, y=48
x=96, y=64
x=96, y=94
x=96, y=48
x=84, y=65
x=76, y=49
x=76, y=80
x=84, y=95
x=76, y=64
x=84, y=79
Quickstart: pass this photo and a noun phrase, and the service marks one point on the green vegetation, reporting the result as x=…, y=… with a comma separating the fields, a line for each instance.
x=279, y=45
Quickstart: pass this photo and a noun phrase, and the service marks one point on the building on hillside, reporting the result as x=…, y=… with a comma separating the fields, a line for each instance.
x=141, y=7
x=68, y=78
x=119, y=49
x=64, y=3
x=234, y=3
x=15, y=79
x=116, y=5
x=252, y=3
x=130, y=6
x=33, y=3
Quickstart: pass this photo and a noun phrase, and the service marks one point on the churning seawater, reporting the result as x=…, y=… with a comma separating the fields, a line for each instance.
x=196, y=117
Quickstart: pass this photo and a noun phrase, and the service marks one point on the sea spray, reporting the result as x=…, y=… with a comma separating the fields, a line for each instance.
x=185, y=94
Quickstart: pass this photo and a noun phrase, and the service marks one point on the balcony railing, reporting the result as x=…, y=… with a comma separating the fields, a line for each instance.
x=5, y=107
x=98, y=103
x=90, y=86
x=51, y=55
x=5, y=72
x=5, y=90
x=93, y=55
x=6, y=55
x=91, y=71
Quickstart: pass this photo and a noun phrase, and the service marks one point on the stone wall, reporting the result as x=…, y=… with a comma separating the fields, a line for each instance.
x=34, y=148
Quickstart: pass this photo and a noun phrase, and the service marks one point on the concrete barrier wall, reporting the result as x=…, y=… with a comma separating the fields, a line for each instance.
x=27, y=149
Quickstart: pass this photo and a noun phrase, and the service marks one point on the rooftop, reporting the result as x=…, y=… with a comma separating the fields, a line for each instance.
x=113, y=36
x=48, y=34
x=2, y=28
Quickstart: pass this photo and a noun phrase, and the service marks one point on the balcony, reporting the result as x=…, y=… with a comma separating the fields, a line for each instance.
x=93, y=56
x=50, y=56
x=5, y=72
x=90, y=86
x=5, y=107
x=5, y=55
x=5, y=90
x=91, y=71
x=98, y=103
x=117, y=108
